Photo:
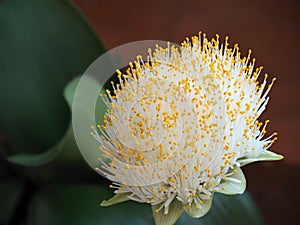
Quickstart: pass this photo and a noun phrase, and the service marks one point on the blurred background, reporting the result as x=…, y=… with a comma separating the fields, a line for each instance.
x=270, y=28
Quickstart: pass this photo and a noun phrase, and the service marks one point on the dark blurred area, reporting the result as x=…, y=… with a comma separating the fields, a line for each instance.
x=272, y=30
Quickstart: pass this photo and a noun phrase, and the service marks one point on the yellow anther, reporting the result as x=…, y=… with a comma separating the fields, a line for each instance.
x=196, y=168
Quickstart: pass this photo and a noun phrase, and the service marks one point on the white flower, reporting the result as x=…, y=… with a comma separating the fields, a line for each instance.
x=180, y=125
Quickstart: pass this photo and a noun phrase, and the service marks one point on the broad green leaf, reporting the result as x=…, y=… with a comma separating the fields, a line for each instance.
x=67, y=163
x=235, y=184
x=39, y=159
x=79, y=205
x=68, y=166
x=228, y=209
x=197, y=212
x=67, y=143
x=174, y=212
x=31, y=159
x=117, y=198
x=70, y=89
x=44, y=44
x=10, y=193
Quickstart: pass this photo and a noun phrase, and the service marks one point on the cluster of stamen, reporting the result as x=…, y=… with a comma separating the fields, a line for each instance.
x=182, y=121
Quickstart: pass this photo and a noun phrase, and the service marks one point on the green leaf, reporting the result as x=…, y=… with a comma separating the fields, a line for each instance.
x=45, y=43
x=117, y=198
x=235, y=184
x=39, y=159
x=30, y=159
x=67, y=164
x=79, y=205
x=195, y=212
x=228, y=209
x=10, y=193
x=264, y=156
x=174, y=212
x=70, y=89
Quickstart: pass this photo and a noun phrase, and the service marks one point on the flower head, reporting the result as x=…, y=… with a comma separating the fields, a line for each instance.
x=180, y=124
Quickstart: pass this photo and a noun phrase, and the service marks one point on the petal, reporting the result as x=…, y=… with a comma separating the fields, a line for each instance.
x=117, y=198
x=195, y=212
x=264, y=156
x=175, y=211
x=234, y=184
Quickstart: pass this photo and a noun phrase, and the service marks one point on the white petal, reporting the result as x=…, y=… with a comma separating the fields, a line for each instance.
x=175, y=211
x=201, y=211
x=235, y=184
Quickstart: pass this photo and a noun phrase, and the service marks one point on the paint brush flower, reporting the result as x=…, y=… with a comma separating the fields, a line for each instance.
x=181, y=124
